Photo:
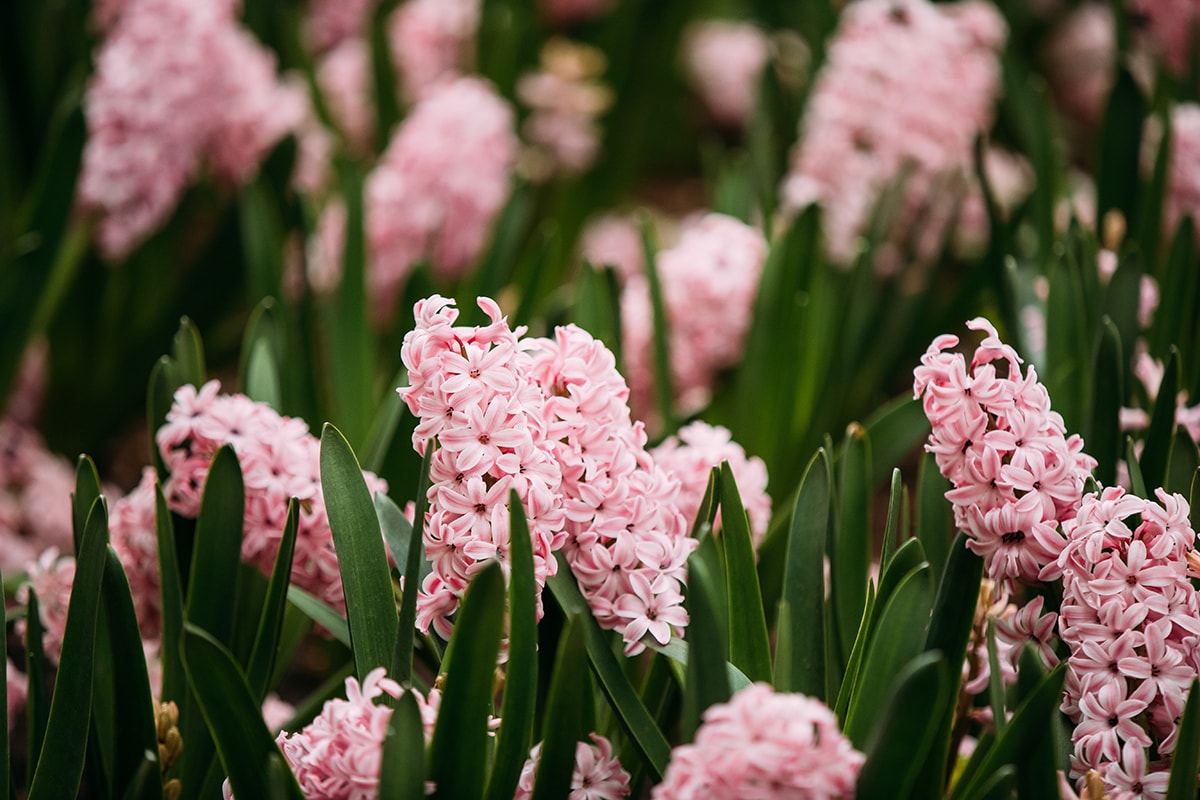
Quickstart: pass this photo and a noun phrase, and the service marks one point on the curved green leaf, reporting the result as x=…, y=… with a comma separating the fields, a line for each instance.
x=564, y=716
x=218, y=547
x=852, y=540
x=804, y=582
x=749, y=647
x=1185, y=760
x=891, y=528
x=234, y=719
x=270, y=622
x=87, y=489
x=1162, y=425
x=370, y=605
x=37, y=697
x=664, y=389
x=707, y=681
x=171, y=594
x=935, y=523
x=459, y=751
x=188, y=352
x=521, y=675
x=1182, y=462
x=849, y=678
x=321, y=613
x=402, y=775
x=60, y=766
x=1102, y=431
x=415, y=568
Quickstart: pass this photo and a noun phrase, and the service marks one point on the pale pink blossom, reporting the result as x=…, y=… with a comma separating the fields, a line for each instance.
x=1183, y=174
x=431, y=42
x=1167, y=28
x=35, y=497
x=438, y=187
x=598, y=775
x=724, y=61
x=614, y=240
x=709, y=285
x=328, y=23
x=276, y=712
x=50, y=577
x=344, y=75
x=28, y=390
x=1079, y=56
x=764, y=745
x=906, y=88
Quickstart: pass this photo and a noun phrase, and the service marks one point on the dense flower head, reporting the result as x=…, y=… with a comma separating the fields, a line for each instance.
x=764, y=745
x=50, y=577
x=906, y=87
x=438, y=187
x=598, y=775
x=328, y=23
x=1183, y=175
x=35, y=497
x=133, y=536
x=431, y=42
x=1016, y=475
x=177, y=85
x=338, y=755
x=711, y=274
x=344, y=75
x=1132, y=620
x=279, y=460
x=547, y=418
x=564, y=97
x=691, y=454
x=613, y=240
x=724, y=60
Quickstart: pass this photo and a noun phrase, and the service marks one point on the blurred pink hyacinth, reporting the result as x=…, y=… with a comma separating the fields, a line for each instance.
x=344, y=75
x=598, y=775
x=724, y=60
x=906, y=88
x=431, y=42
x=711, y=274
x=690, y=456
x=1168, y=27
x=50, y=578
x=177, y=86
x=35, y=498
x=764, y=745
x=1079, y=58
x=613, y=240
x=1183, y=174
x=328, y=23
x=438, y=187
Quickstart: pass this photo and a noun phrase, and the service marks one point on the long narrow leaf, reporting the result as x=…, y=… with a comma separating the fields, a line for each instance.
x=320, y=613
x=402, y=776
x=935, y=525
x=459, y=750
x=1162, y=425
x=1103, y=430
x=852, y=543
x=749, y=647
x=414, y=567
x=804, y=580
x=891, y=528
x=60, y=766
x=564, y=716
x=270, y=621
x=171, y=595
x=87, y=489
x=1185, y=760
x=370, y=606
x=243, y=742
x=37, y=697
x=218, y=547
x=707, y=681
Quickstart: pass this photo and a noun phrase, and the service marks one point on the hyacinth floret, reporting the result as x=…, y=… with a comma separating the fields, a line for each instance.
x=598, y=775
x=764, y=745
x=1016, y=475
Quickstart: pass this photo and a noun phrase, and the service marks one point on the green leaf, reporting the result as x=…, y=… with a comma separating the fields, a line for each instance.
x=60, y=766
x=995, y=681
x=935, y=522
x=1181, y=463
x=321, y=613
x=804, y=581
x=243, y=743
x=907, y=558
x=261, y=354
x=707, y=681
x=218, y=547
x=664, y=389
x=894, y=430
x=908, y=728
x=707, y=512
x=521, y=675
x=270, y=621
x=160, y=391
x=1162, y=425
x=1035, y=713
x=636, y=720
x=37, y=698
x=383, y=75
x=854, y=663
x=896, y=640
x=459, y=751
x=1185, y=760
x=414, y=572
x=891, y=528
x=1194, y=500
x=1103, y=430
x=1001, y=784
x=677, y=650
x=402, y=776
x=171, y=593
x=188, y=352
x=1037, y=774
x=1120, y=149
x=87, y=489
x=852, y=540
x=1152, y=197
x=1068, y=371
x=749, y=648
x=5, y=759
x=1136, y=482
x=370, y=605
x=564, y=715
x=597, y=306
x=133, y=725
x=384, y=425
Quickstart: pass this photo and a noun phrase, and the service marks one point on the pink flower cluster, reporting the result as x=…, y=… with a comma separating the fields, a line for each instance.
x=1016, y=475
x=35, y=497
x=613, y=240
x=438, y=187
x=598, y=775
x=546, y=418
x=1183, y=175
x=133, y=536
x=344, y=76
x=709, y=285
x=279, y=459
x=1132, y=620
x=1168, y=27
x=51, y=578
x=431, y=42
x=339, y=754
x=328, y=23
x=690, y=456
x=565, y=98
x=764, y=745
x=724, y=60
x=177, y=85
x=906, y=87
x=1015, y=627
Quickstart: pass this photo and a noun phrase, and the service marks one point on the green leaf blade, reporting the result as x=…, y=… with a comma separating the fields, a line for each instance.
x=749, y=647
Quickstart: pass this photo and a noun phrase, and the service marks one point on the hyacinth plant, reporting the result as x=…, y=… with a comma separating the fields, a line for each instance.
x=502, y=471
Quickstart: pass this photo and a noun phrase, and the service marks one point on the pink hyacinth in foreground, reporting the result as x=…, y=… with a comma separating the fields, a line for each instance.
x=1016, y=475
x=1132, y=620
x=546, y=418
x=906, y=87
x=764, y=745
x=438, y=187
x=690, y=456
x=724, y=61
x=598, y=775
x=279, y=459
x=711, y=274
x=177, y=86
